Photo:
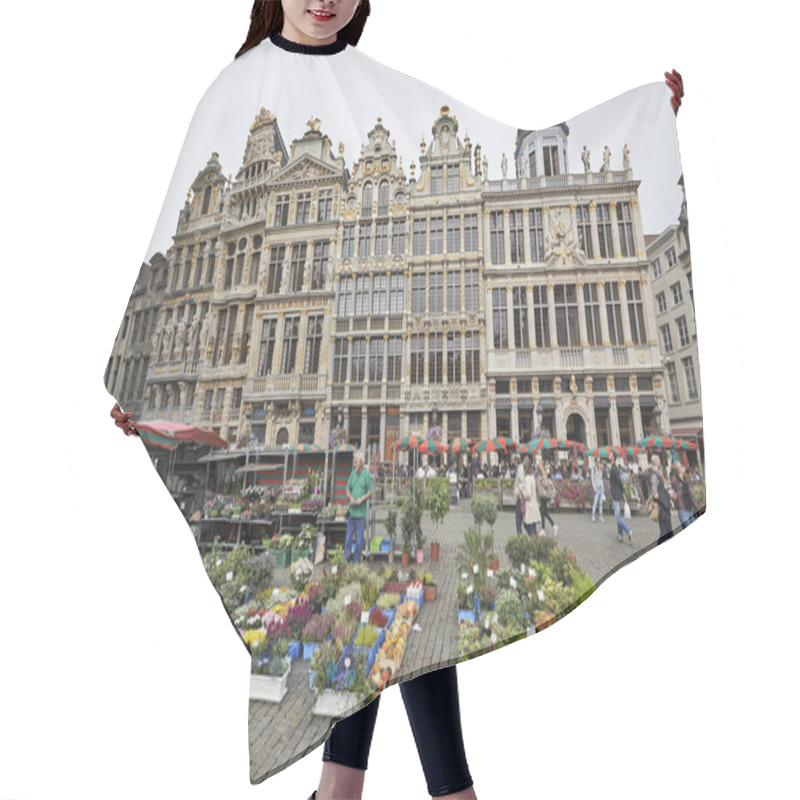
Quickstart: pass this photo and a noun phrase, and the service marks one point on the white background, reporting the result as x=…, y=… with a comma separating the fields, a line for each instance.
x=120, y=674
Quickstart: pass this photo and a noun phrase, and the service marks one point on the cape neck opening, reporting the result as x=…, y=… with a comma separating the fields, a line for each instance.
x=309, y=49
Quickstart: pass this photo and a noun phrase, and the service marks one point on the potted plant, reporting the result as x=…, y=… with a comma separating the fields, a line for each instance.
x=465, y=603
x=420, y=537
x=315, y=632
x=391, y=525
x=269, y=670
x=438, y=506
x=430, y=586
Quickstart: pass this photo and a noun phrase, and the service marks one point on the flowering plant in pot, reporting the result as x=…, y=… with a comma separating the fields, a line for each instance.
x=430, y=586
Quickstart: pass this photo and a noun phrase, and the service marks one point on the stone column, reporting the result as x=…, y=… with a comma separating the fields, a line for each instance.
x=593, y=222
x=615, y=229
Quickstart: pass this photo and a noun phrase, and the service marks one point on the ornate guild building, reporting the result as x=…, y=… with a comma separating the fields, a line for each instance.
x=298, y=296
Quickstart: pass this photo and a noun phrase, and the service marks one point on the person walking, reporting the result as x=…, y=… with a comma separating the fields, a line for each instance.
x=531, y=515
x=519, y=480
x=618, y=498
x=359, y=490
x=661, y=496
x=545, y=489
x=684, y=496
x=597, y=485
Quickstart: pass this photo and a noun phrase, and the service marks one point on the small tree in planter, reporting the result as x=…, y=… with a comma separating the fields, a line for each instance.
x=473, y=555
x=411, y=523
x=438, y=506
x=391, y=524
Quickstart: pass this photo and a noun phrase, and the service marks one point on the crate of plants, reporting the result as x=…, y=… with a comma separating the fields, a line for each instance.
x=323, y=666
x=388, y=601
x=269, y=667
x=368, y=640
x=315, y=632
x=466, y=603
x=381, y=617
x=280, y=548
x=345, y=688
x=415, y=591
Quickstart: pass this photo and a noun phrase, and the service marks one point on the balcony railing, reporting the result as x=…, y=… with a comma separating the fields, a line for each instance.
x=571, y=357
x=284, y=384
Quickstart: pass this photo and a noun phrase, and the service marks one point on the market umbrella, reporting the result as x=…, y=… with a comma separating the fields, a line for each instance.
x=505, y=443
x=432, y=446
x=408, y=442
x=656, y=441
x=527, y=448
x=684, y=444
x=167, y=434
x=460, y=445
x=630, y=450
x=545, y=444
x=608, y=451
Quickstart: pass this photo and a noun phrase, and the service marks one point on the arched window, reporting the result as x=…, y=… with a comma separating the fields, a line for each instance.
x=283, y=437
x=366, y=200
x=383, y=198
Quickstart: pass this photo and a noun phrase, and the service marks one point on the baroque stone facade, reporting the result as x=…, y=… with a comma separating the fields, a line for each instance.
x=299, y=296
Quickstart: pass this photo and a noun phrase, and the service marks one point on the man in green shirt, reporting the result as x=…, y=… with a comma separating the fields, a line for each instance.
x=359, y=490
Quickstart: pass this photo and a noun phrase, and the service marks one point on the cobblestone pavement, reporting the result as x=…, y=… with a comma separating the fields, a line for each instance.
x=288, y=730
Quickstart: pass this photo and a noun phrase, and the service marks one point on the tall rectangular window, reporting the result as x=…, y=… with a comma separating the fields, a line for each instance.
x=247, y=333
x=536, y=234
x=584, y=230
x=364, y=239
x=672, y=379
x=591, y=305
x=212, y=261
x=319, y=265
x=435, y=358
x=397, y=291
x=325, y=205
x=472, y=359
x=452, y=178
x=471, y=300
x=230, y=332
x=550, y=155
x=394, y=360
x=291, y=334
x=677, y=293
x=420, y=231
x=497, y=251
x=358, y=360
x=517, y=235
x=470, y=233
x=348, y=240
x=298, y=266
x=275, y=270
x=672, y=259
x=437, y=240
x=381, y=238
x=362, y=296
x=636, y=311
x=453, y=234
x=604, y=230
x=614, y=313
x=541, y=319
x=520, y=312
x=454, y=291
x=340, y=361
x=683, y=331
x=379, y=295
x=198, y=265
x=345, y=299
x=313, y=344
x=691, y=381
x=566, y=304
x=474, y=424
x=418, y=293
x=376, y=349
x=266, y=348
x=303, y=214
x=656, y=265
x=625, y=226
x=666, y=338
x=500, y=318
x=661, y=302
x=453, y=357
x=437, y=178
x=255, y=265
x=281, y=210
x=417, y=358
x=187, y=269
x=398, y=237
x=435, y=293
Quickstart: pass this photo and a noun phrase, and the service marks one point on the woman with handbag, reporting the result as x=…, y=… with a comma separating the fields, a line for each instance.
x=684, y=497
x=544, y=492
